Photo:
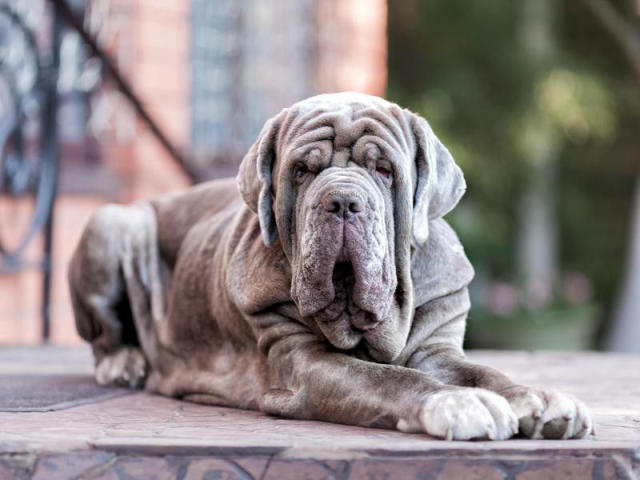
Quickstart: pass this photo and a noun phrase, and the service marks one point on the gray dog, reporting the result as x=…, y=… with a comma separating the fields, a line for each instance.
x=329, y=287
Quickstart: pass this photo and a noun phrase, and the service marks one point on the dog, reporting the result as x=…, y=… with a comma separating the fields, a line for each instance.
x=324, y=284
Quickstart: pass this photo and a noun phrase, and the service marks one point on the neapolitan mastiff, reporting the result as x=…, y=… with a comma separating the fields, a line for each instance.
x=323, y=285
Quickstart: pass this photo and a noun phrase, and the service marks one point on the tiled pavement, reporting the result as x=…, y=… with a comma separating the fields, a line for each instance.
x=144, y=436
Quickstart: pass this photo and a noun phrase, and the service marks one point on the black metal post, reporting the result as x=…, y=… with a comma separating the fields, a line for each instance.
x=50, y=162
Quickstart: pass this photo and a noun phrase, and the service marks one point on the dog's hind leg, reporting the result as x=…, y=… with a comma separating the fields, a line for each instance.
x=125, y=367
x=100, y=298
x=117, y=363
x=141, y=302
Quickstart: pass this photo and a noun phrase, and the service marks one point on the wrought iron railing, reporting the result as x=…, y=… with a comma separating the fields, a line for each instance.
x=29, y=142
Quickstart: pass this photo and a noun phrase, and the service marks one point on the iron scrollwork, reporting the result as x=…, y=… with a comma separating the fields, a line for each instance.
x=38, y=70
x=28, y=140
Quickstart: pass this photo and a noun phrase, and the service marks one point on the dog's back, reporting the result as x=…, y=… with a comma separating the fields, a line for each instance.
x=177, y=213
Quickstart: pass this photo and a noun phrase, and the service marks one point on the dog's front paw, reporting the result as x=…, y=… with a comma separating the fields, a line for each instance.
x=548, y=414
x=126, y=367
x=463, y=414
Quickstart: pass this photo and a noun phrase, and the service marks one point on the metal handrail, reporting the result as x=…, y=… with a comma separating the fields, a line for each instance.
x=46, y=187
x=125, y=88
x=45, y=190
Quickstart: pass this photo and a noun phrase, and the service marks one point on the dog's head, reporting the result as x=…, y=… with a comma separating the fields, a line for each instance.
x=348, y=183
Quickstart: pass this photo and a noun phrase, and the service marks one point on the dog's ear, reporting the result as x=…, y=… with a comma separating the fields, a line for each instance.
x=255, y=179
x=440, y=182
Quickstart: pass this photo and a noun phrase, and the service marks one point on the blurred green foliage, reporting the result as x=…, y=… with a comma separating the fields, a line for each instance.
x=462, y=64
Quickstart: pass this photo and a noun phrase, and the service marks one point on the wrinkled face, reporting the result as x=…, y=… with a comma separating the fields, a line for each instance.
x=344, y=274
x=337, y=197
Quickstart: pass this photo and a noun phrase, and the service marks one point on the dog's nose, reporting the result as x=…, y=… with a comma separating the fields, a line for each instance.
x=342, y=204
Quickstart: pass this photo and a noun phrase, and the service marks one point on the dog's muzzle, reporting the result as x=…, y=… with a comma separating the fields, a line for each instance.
x=345, y=280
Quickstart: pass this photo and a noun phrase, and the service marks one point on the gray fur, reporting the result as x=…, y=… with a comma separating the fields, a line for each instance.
x=324, y=290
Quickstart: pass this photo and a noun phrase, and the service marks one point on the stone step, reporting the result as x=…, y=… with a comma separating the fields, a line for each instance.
x=137, y=435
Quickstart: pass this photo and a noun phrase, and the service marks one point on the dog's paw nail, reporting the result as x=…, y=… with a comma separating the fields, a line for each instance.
x=554, y=429
x=527, y=426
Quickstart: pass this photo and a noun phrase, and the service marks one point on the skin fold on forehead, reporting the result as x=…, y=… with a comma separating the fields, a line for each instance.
x=344, y=126
x=331, y=122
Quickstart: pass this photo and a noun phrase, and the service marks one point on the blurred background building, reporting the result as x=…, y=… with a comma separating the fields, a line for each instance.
x=538, y=101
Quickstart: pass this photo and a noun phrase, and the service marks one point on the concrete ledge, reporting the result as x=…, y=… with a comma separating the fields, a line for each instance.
x=144, y=436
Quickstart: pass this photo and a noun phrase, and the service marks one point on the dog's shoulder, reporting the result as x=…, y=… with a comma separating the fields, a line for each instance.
x=258, y=277
x=440, y=266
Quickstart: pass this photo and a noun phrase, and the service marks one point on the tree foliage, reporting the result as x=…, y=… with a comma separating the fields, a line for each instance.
x=462, y=64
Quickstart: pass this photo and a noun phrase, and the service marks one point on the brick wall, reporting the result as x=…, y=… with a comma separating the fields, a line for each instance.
x=161, y=77
x=352, y=46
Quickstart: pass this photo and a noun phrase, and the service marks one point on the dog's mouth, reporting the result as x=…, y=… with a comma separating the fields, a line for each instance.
x=343, y=274
x=344, y=278
x=342, y=308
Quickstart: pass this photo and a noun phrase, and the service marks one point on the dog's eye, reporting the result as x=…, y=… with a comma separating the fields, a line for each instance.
x=301, y=173
x=384, y=172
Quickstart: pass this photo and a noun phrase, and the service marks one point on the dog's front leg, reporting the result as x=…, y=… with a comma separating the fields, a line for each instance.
x=541, y=413
x=307, y=380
